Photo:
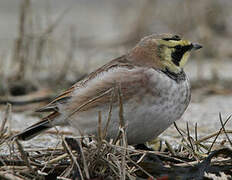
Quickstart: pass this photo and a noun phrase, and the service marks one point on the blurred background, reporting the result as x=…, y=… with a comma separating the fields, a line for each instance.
x=47, y=45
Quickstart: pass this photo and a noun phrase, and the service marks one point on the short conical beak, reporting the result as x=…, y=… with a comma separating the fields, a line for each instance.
x=196, y=46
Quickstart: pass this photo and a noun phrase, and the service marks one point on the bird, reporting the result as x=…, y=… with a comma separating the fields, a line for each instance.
x=150, y=81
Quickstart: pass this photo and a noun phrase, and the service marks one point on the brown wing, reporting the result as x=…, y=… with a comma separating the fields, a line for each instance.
x=97, y=89
x=62, y=98
x=67, y=95
x=102, y=89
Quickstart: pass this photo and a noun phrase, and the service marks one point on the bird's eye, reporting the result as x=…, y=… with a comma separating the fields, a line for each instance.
x=178, y=47
x=173, y=38
x=176, y=37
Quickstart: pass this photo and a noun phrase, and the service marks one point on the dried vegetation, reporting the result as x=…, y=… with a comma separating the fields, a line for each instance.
x=95, y=158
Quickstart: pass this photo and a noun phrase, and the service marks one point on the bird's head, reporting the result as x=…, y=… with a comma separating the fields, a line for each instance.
x=164, y=51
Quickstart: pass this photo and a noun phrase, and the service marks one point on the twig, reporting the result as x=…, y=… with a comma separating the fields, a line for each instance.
x=72, y=157
x=109, y=115
x=139, y=167
x=224, y=130
x=8, y=176
x=116, y=162
x=112, y=166
x=58, y=158
x=6, y=118
x=63, y=178
x=120, y=114
x=122, y=130
x=84, y=160
x=218, y=132
x=88, y=102
x=196, y=137
x=189, y=137
x=24, y=156
x=178, y=129
x=184, y=139
x=170, y=148
x=211, y=135
x=99, y=127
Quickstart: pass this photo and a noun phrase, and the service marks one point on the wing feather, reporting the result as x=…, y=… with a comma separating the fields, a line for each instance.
x=98, y=92
x=96, y=89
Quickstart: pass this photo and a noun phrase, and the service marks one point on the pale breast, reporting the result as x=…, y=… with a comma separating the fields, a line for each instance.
x=156, y=113
x=147, y=114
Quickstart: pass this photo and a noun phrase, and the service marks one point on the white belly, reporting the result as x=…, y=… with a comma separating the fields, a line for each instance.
x=145, y=118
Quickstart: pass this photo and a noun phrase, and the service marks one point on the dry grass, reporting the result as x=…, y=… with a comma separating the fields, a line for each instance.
x=96, y=158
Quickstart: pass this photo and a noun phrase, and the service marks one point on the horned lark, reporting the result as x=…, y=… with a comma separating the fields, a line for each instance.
x=155, y=92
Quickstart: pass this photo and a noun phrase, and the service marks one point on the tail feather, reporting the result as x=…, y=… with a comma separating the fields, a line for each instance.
x=34, y=130
x=37, y=128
